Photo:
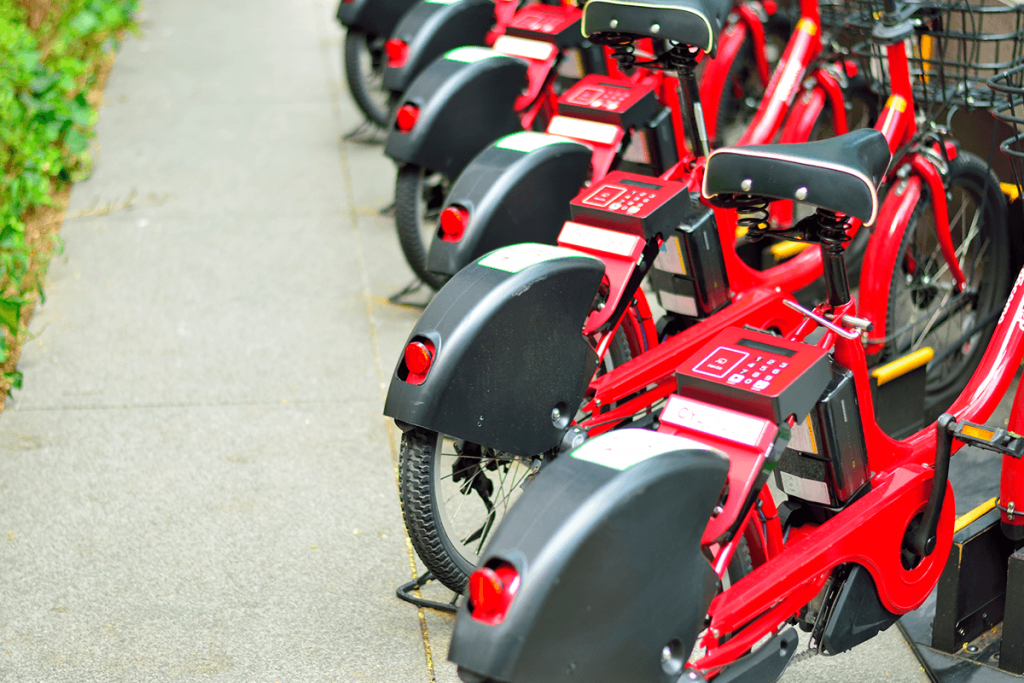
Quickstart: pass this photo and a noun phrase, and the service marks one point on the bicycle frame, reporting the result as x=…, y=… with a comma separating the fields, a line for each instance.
x=869, y=532
x=650, y=376
x=899, y=126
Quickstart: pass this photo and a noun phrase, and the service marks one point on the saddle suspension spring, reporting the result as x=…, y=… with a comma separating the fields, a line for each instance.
x=679, y=58
x=831, y=230
x=752, y=213
x=622, y=48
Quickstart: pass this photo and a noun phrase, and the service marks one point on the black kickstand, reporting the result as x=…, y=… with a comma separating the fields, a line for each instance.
x=388, y=211
x=404, y=592
x=366, y=133
x=404, y=297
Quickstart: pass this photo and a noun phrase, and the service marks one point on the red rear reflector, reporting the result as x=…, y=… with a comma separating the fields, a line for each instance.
x=491, y=592
x=418, y=357
x=454, y=220
x=406, y=117
x=398, y=52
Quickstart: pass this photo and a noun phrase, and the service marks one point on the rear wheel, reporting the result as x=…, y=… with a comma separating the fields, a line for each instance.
x=365, y=61
x=419, y=196
x=924, y=307
x=455, y=493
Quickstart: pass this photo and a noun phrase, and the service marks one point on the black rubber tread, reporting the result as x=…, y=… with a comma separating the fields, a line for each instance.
x=416, y=492
x=740, y=565
x=409, y=223
x=619, y=350
x=356, y=43
x=969, y=171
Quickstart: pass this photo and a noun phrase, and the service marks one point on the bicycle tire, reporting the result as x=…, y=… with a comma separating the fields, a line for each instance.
x=918, y=280
x=424, y=460
x=364, y=71
x=412, y=218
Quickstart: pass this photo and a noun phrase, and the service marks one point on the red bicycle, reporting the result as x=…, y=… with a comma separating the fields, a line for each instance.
x=867, y=526
x=530, y=181
x=459, y=393
x=433, y=146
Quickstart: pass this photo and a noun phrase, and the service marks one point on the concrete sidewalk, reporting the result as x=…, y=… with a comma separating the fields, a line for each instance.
x=197, y=482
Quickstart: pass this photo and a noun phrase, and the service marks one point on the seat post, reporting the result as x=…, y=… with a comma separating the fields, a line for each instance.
x=689, y=100
x=832, y=238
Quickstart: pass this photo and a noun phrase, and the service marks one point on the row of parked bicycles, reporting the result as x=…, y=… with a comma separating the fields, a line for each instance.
x=719, y=294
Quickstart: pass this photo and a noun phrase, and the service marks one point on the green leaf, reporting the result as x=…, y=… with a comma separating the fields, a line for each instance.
x=81, y=113
x=28, y=59
x=75, y=141
x=15, y=378
x=10, y=313
x=84, y=22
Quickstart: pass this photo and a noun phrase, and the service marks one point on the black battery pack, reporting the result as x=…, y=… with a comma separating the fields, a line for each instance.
x=825, y=463
x=689, y=273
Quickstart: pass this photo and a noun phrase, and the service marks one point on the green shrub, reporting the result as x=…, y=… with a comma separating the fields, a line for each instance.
x=50, y=53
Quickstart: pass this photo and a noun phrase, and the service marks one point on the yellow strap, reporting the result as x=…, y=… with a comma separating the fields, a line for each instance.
x=901, y=366
x=964, y=520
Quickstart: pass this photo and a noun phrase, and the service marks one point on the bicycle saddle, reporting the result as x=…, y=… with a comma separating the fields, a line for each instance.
x=840, y=174
x=690, y=22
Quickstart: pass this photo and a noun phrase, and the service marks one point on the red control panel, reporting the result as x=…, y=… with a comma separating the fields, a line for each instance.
x=758, y=373
x=559, y=25
x=632, y=203
x=609, y=100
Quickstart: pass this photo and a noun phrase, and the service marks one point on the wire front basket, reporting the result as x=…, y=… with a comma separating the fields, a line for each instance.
x=957, y=47
x=1009, y=86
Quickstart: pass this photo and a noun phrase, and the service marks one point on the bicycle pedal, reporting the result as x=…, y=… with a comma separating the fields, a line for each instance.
x=990, y=438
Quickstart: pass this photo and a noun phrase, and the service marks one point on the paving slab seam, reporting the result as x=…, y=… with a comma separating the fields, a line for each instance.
x=164, y=406
x=368, y=299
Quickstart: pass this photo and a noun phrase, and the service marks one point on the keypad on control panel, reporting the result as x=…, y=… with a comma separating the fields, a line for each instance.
x=600, y=98
x=539, y=22
x=627, y=200
x=757, y=373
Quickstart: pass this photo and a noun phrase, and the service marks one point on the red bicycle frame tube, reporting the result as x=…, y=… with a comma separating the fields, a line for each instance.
x=714, y=80
x=760, y=307
x=898, y=125
x=870, y=531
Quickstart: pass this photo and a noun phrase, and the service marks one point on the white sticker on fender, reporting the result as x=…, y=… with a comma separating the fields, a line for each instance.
x=593, y=131
x=726, y=424
x=624, y=448
x=599, y=239
x=470, y=54
x=523, y=47
x=516, y=257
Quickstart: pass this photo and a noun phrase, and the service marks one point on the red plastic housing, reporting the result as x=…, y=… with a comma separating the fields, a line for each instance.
x=491, y=591
x=406, y=118
x=397, y=51
x=418, y=357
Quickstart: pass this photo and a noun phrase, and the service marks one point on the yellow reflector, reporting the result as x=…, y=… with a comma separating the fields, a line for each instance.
x=977, y=432
x=1010, y=190
x=901, y=366
x=784, y=250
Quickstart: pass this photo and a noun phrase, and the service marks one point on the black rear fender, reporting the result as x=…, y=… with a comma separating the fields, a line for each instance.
x=516, y=190
x=465, y=102
x=431, y=29
x=372, y=17
x=508, y=350
x=606, y=542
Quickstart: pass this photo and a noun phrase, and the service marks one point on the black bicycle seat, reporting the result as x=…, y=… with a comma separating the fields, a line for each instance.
x=690, y=22
x=840, y=174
